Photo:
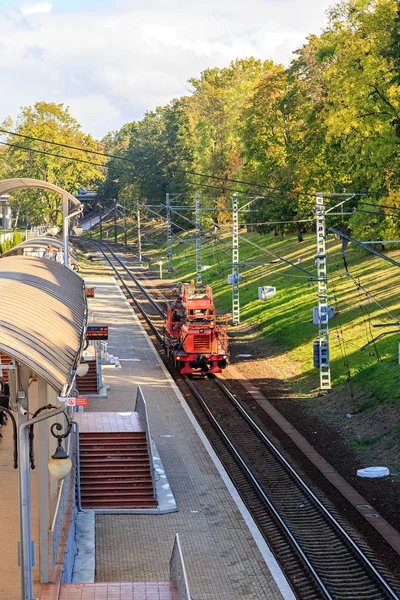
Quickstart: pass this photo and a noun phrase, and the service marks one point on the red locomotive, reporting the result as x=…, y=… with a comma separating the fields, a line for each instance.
x=193, y=339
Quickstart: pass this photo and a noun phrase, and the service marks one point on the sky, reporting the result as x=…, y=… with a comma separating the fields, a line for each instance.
x=111, y=60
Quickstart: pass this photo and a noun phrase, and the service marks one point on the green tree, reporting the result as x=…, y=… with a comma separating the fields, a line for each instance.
x=53, y=122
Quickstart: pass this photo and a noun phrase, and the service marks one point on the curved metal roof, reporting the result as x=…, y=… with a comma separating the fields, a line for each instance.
x=9, y=185
x=42, y=317
x=40, y=242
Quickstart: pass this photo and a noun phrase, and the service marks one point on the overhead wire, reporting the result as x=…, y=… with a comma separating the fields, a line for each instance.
x=224, y=179
x=81, y=160
x=382, y=364
x=342, y=345
x=265, y=251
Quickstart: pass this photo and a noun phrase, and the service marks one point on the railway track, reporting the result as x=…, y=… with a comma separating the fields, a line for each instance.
x=320, y=559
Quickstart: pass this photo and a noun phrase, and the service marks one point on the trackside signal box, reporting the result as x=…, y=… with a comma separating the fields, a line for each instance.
x=97, y=332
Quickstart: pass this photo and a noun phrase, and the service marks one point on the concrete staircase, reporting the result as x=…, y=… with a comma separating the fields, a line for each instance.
x=115, y=470
x=88, y=385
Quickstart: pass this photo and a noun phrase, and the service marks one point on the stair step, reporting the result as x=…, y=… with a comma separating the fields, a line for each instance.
x=121, y=487
x=112, y=435
x=87, y=478
x=120, y=504
x=111, y=460
x=117, y=469
x=112, y=442
x=93, y=469
x=131, y=493
x=113, y=451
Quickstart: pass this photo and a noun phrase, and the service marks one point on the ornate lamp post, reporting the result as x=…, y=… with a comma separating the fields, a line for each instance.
x=59, y=466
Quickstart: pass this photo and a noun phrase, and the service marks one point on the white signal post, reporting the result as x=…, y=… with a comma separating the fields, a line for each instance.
x=139, y=235
x=323, y=328
x=169, y=233
x=198, y=241
x=235, y=262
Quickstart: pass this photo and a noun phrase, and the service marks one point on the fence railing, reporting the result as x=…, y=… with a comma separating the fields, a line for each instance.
x=177, y=571
x=36, y=232
x=141, y=408
x=6, y=236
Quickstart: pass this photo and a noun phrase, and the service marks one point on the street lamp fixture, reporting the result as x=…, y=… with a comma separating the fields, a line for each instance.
x=60, y=464
x=82, y=369
x=77, y=230
x=53, y=230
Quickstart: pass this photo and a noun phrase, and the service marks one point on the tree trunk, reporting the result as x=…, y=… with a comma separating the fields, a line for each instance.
x=299, y=233
x=17, y=217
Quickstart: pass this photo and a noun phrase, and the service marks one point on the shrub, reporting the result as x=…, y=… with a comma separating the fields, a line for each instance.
x=17, y=239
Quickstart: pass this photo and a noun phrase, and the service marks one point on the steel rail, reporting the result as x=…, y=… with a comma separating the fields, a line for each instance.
x=254, y=481
x=375, y=573
x=128, y=291
x=303, y=484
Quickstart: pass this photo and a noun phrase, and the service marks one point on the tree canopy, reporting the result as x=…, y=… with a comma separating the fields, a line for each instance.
x=47, y=121
x=330, y=122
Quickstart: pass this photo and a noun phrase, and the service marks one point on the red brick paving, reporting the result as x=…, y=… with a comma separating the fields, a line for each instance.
x=109, y=422
x=159, y=590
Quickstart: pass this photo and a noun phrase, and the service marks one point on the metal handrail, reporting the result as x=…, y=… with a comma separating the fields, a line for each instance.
x=177, y=571
x=141, y=408
x=38, y=231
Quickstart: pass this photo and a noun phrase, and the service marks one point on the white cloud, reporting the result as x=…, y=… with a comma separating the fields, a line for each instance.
x=37, y=9
x=93, y=110
x=111, y=65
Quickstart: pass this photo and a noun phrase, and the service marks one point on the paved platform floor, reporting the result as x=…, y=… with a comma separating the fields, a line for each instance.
x=222, y=559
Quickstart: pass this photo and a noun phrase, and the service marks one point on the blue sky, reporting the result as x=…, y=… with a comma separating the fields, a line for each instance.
x=110, y=61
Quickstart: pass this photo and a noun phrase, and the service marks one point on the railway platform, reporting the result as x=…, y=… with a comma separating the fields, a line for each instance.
x=225, y=556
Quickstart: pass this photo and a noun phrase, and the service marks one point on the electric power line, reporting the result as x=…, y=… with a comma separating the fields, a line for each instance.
x=225, y=179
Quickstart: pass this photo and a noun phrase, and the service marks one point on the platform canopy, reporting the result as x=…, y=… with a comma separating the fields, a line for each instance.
x=43, y=317
x=40, y=243
x=11, y=185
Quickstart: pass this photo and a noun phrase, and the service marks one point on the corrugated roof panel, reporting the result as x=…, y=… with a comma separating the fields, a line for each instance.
x=42, y=316
x=41, y=242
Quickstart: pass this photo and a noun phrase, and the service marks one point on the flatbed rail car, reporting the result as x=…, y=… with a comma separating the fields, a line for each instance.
x=194, y=340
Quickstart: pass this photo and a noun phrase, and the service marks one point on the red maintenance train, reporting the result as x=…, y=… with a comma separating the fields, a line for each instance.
x=193, y=339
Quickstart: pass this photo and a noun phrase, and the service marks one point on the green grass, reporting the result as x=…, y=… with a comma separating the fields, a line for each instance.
x=370, y=441
x=283, y=324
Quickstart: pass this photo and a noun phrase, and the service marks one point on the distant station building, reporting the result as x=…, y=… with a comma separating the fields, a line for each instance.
x=84, y=195
x=6, y=214
x=44, y=247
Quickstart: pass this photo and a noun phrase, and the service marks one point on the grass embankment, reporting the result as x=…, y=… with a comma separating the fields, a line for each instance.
x=283, y=326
